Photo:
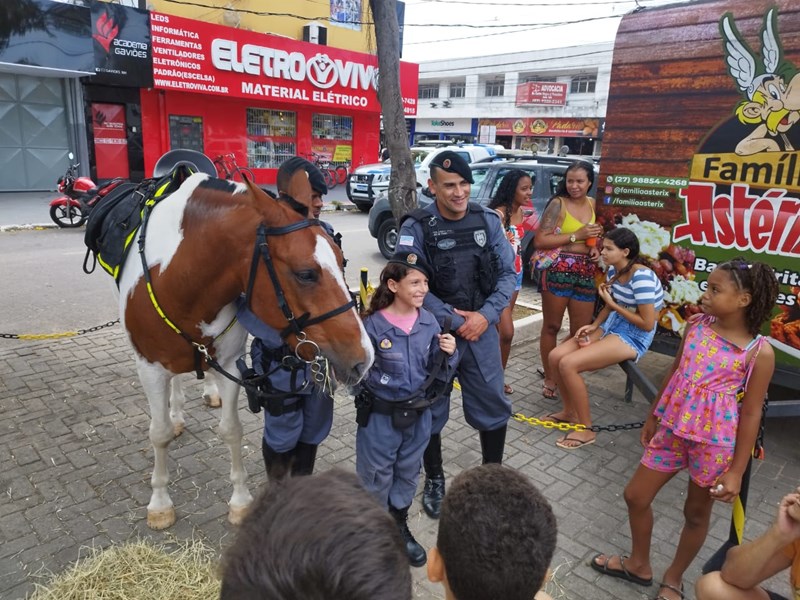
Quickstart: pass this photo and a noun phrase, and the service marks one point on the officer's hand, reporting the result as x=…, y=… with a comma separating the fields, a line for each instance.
x=447, y=343
x=474, y=325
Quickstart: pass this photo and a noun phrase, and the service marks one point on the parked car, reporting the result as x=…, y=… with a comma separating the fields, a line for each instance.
x=368, y=181
x=546, y=173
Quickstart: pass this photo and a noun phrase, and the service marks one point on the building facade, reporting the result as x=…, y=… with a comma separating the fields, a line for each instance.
x=261, y=81
x=545, y=100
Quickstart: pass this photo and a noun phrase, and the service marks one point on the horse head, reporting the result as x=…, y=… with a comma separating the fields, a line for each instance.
x=301, y=272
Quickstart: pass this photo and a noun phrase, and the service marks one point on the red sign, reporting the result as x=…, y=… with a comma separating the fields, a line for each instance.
x=195, y=56
x=542, y=93
x=110, y=140
x=546, y=126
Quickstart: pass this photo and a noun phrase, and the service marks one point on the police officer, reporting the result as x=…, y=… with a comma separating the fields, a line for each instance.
x=472, y=281
x=301, y=414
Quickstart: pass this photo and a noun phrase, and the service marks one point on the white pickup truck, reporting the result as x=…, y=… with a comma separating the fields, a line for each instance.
x=367, y=181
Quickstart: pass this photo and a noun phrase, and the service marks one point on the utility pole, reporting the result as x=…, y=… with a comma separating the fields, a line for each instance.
x=403, y=180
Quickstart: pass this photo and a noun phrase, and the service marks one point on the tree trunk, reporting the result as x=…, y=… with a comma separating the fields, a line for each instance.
x=403, y=180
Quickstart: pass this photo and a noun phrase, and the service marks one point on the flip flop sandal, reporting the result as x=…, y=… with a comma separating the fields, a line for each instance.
x=507, y=389
x=551, y=393
x=580, y=444
x=552, y=417
x=669, y=587
x=540, y=371
x=619, y=573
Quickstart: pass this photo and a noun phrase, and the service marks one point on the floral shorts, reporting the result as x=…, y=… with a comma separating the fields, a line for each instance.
x=571, y=276
x=670, y=453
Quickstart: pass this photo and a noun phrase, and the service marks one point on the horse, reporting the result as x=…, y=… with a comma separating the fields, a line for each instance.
x=208, y=244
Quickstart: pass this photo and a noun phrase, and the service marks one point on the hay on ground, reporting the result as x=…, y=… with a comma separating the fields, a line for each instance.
x=140, y=570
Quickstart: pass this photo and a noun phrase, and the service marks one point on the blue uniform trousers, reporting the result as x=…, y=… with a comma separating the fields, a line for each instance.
x=310, y=424
x=480, y=375
x=388, y=460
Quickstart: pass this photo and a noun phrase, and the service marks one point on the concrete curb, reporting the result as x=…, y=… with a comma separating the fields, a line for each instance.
x=527, y=329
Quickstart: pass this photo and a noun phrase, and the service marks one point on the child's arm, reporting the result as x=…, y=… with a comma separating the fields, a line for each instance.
x=749, y=421
x=643, y=282
x=599, y=320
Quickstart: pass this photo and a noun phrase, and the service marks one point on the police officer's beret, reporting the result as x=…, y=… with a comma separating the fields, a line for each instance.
x=291, y=165
x=413, y=260
x=453, y=163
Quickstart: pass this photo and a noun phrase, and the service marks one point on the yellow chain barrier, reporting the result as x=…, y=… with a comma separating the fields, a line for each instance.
x=549, y=424
x=55, y=336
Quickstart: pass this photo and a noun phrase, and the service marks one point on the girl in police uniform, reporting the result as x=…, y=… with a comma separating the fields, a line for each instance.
x=408, y=344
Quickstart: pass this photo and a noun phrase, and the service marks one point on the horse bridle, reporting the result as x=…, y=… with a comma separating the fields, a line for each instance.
x=295, y=325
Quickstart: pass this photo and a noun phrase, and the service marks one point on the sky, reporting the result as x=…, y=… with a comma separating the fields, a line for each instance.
x=588, y=21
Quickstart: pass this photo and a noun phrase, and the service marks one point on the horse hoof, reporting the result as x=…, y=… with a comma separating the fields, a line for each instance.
x=161, y=519
x=177, y=428
x=236, y=514
x=213, y=401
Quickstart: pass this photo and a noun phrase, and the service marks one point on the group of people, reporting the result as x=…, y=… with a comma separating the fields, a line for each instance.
x=443, y=310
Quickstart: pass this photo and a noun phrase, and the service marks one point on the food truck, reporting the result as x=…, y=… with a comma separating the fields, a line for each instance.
x=701, y=155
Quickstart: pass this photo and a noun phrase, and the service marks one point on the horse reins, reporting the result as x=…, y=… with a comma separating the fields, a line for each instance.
x=295, y=325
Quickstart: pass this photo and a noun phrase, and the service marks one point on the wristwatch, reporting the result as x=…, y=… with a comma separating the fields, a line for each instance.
x=572, y=239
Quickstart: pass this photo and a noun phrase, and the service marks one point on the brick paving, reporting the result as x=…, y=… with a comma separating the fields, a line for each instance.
x=77, y=461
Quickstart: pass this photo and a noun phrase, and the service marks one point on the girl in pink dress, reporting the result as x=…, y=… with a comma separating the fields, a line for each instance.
x=705, y=419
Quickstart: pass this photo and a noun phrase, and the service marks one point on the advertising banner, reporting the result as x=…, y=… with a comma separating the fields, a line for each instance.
x=194, y=56
x=110, y=140
x=700, y=155
x=547, y=126
x=542, y=93
x=122, y=52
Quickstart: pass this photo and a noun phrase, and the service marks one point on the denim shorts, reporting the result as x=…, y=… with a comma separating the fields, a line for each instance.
x=636, y=337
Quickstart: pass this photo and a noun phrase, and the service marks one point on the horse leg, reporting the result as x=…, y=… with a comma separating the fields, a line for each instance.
x=210, y=391
x=177, y=399
x=230, y=432
x=156, y=383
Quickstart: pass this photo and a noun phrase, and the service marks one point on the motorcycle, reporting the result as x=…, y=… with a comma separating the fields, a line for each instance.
x=81, y=194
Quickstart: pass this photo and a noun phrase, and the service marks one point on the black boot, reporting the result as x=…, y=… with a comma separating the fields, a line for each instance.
x=433, y=492
x=492, y=445
x=277, y=463
x=415, y=552
x=304, y=457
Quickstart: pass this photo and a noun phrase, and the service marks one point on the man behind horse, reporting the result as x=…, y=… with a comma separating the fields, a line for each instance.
x=300, y=415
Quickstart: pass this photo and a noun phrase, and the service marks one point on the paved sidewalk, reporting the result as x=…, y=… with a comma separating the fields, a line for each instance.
x=77, y=461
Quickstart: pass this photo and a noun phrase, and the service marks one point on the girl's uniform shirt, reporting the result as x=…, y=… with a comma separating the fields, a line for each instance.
x=700, y=401
x=402, y=360
x=642, y=288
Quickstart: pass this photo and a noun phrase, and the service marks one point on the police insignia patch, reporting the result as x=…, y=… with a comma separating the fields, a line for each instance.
x=446, y=163
x=480, y=237
x=386, y=343
x=412, y=259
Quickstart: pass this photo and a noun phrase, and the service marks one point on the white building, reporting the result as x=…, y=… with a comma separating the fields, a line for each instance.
x=542, y=99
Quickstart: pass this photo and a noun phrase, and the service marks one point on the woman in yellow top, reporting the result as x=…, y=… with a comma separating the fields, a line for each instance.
x=568, y=284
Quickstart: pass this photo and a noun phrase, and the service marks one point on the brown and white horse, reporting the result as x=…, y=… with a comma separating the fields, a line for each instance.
x=199, y=245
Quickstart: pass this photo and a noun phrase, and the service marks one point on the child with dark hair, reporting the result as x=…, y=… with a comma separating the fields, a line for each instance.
x=497, y=535
x=623, y=330
x=412, y=361
x=705, y=419
x=320, y=537
x=513, y=195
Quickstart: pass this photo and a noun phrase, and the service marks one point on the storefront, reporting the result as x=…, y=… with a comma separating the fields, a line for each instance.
x=41, y=112
x=260, y=97
x=547, y=135
x=457, y=129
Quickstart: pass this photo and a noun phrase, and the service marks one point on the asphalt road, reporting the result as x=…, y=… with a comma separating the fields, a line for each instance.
x=45, y=290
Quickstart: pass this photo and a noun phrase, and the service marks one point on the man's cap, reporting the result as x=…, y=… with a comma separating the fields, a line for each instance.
x=291, y=165
x=452, y=162
x=413, y=260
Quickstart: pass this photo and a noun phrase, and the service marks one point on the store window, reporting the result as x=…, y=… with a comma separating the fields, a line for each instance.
x=458, y=90
x=332, y=138
x=271, y=137
x=584, y=84
x=494, y=87
x=186, y=132
x=428, y=91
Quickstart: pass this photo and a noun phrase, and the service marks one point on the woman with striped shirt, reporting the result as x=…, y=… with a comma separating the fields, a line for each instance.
x=623, y=330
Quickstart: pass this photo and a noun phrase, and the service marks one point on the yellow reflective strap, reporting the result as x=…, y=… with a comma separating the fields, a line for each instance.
x=161, y=312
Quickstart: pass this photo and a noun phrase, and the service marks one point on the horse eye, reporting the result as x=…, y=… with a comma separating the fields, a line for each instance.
x=307, y=276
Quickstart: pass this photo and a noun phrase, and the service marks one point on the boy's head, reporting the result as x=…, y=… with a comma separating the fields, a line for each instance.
x=321, y=537
x=497, y=535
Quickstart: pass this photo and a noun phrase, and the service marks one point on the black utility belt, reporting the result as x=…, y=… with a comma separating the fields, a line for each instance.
x=404, y=414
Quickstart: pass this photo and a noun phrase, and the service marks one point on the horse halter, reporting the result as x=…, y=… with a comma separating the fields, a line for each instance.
x=295, y=325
